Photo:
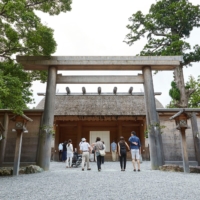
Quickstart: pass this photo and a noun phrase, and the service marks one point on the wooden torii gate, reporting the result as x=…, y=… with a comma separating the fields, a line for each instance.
x=107, y=63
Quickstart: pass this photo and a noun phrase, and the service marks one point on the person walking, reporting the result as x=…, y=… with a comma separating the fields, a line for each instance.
x=69, y=154
x=60, y=149
x=64, y=151
x=98, y=146
x=85, y=148
x=114, y=150
x=122, y=153
x=135, y=146
x=102, y=157
x=93, y=151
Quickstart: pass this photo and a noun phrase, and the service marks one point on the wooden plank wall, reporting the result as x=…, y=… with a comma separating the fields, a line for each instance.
x=29, y=140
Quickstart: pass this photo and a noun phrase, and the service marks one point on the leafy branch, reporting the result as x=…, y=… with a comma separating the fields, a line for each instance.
x=155, y=125
x=47, y=129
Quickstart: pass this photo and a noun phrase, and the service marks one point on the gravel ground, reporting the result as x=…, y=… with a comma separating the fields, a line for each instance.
x=110, y=184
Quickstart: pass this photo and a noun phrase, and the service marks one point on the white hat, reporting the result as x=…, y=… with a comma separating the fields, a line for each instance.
x=83, y=139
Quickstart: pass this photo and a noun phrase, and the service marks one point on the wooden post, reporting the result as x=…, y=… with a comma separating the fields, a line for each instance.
x=80, y=135
x=184, y=151
x=45, y=139
x=142, y=136
x=152, y=119
x=195, y=132
x=3, y=142
x=56, y=142
x=17, y=153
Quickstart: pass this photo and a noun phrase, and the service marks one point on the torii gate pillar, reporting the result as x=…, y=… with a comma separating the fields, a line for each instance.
x=155, y=140
x=44, y=148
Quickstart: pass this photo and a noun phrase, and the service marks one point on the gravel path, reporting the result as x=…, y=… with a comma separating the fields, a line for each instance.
x=110, y=184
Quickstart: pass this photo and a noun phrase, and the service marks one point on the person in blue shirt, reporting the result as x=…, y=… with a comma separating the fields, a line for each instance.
x=135, y=147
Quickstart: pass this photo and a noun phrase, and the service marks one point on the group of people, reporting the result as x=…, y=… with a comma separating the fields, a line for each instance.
x=66, y=152
x=85, y=148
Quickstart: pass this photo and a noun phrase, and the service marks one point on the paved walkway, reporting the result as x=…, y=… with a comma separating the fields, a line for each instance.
x=110, y=184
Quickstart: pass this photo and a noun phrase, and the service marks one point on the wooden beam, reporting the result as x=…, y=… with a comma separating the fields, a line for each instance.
x=100, y=79
x=68, y=125
x=99, y=62
x=102, y=94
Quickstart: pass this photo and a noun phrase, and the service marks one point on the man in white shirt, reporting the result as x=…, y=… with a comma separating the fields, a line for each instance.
x=85, y=149
x=60, y=149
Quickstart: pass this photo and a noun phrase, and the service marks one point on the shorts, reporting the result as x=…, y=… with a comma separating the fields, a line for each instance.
x=135, y=154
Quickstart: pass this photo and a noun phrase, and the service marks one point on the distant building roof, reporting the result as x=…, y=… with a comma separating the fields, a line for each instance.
x=99, y=105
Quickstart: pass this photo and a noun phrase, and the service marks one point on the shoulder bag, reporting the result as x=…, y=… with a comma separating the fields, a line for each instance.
x=102, y=152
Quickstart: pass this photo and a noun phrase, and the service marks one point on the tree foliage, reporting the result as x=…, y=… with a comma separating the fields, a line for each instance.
x=174, y=92
x=14, y=90
x=194, y=100
x=22, y=33
x=167, y=27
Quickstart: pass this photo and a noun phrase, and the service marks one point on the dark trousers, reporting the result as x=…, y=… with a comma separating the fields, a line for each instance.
x=102, y=159
x=60, y=155
x=64, y=155
x=99, y=160
x=122, y=159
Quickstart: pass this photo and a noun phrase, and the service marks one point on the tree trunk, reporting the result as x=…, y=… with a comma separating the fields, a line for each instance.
x=184, y=95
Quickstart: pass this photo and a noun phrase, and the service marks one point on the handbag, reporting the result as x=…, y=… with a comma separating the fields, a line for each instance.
x=102, y=152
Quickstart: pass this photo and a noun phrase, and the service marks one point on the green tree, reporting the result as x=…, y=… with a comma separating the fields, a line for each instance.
x=166, y=27
x=194, y=100
x=14, y=90
x=22, y=33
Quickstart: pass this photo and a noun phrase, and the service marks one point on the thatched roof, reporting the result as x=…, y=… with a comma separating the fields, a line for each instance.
x=99, y=105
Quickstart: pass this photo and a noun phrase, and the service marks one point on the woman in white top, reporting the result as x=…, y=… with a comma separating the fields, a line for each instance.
x=69, y=154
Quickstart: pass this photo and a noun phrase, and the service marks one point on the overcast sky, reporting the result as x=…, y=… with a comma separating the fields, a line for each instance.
x=98, y=28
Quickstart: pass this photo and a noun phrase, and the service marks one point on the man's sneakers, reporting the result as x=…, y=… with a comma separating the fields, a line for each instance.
x=87, y=169
x=135, y=170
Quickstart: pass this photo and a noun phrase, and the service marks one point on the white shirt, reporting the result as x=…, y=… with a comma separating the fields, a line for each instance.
x=80, y=143
x=60, y=146
x=84, y=146
x=69, y=148
x=104, y=147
